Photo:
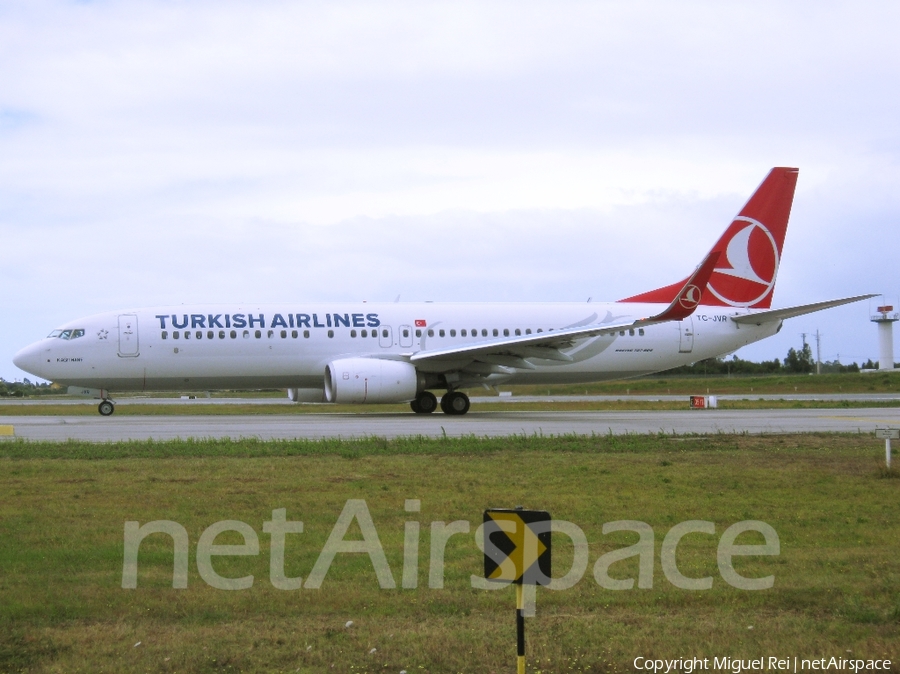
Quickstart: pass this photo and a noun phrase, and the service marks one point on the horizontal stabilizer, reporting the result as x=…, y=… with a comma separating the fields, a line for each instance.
x=761, y=317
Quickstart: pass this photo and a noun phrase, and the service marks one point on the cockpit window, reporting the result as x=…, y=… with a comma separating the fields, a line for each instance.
x=67, y=334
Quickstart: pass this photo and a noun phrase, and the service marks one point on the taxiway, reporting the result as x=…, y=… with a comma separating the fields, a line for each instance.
x=491, y=423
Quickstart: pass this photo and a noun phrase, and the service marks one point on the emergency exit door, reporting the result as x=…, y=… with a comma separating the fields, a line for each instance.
x=386, y=336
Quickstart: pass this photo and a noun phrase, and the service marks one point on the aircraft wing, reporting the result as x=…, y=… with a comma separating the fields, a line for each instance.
x=512, y=351
x=761, y=317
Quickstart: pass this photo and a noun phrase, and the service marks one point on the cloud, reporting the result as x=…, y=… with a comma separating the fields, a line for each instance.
x=166, y=152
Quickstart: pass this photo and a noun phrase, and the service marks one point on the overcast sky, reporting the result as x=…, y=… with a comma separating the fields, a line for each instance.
x=225, y=151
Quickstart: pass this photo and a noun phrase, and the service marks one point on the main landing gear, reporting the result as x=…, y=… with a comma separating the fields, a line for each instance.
x=106, y=408
x=455, y=402
x=452, y=402
x=425, y=403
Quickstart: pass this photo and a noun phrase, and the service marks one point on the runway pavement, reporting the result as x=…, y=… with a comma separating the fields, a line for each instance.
x=480, y=423
x=479, y=400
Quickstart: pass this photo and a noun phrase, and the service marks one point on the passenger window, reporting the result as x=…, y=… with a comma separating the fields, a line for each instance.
x=462, y=332
x=527, y=331
x=246, y=334
x=631, y=332
x=453, y=333
x=496, y=333
x=187, y=335
x=641, y=332
x=621, y=333
x=418, y=333
x=518, y=332
x=165, y=335
x=284, y=334
x=294, y=334
x=176, y=334
x=363, y=333
x=221, y=334
x=210, y=334
x=406, y=332
x=306, y=334
x=353, y=333
x=441, y=333
x=271, y=334
x=484, y=332
x=331, y=333
x=431, y=333
x=257, y=334
x=233, y=334
x=506, y=332
x=375, y=334
x=384, y=333
x=199, y=334
x=540, y=329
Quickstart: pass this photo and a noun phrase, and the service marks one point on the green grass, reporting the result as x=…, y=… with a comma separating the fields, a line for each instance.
x=660, y=383
x=652, y=385
x=696, y=385
x=62, y=607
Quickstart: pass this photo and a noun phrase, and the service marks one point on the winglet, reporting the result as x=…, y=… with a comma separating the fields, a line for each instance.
x=691, y=292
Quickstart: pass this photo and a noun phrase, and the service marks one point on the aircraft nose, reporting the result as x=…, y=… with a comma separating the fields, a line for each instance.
x=30, y=359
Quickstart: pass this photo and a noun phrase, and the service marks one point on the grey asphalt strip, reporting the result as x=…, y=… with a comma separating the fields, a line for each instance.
x=478, y=423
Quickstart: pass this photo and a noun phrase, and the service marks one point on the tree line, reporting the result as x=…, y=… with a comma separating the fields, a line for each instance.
x=26, y=387
x=795, y=362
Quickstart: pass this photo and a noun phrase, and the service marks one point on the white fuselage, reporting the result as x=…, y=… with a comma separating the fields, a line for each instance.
x=206, y=347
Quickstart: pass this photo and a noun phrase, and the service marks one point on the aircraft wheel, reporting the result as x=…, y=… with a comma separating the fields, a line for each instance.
x=106, y=408
x=425, y=403
x=455, y=403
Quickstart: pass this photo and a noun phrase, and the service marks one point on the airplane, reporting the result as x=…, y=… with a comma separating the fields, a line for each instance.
x=402, y=352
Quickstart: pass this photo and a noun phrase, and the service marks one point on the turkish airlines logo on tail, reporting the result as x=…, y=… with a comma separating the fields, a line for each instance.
x=746, y=272
x=690, y=298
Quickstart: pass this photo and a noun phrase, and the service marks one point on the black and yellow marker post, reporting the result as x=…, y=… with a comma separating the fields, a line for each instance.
x=517, y=551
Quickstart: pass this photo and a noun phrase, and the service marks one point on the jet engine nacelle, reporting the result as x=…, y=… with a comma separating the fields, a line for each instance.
x=371, y=380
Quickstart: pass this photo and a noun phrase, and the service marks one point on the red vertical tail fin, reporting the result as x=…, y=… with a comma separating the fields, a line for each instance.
x=749, y=250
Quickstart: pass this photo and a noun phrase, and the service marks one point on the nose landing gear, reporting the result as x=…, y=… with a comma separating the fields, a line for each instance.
x=106, y=408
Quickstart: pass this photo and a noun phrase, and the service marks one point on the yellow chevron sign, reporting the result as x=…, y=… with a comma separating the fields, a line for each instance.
x=517, y=546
